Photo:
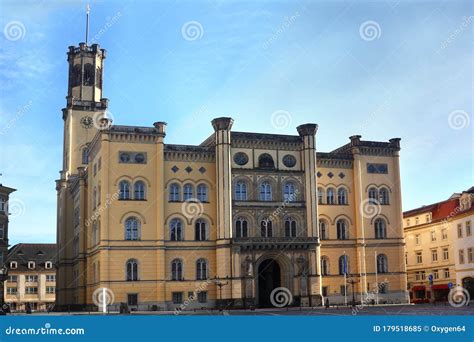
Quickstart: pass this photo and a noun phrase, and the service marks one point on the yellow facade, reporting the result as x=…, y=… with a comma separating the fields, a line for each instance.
x=224, y=222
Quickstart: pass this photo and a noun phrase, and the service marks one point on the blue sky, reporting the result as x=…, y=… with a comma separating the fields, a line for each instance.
x=381, y=69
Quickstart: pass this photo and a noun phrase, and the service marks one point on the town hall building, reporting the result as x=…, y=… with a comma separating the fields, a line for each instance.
x=229, y=222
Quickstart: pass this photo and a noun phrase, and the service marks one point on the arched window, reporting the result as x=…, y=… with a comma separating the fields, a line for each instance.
x=240, y=191
x=290, y=227
x=323, y=230
x=382, y=265
x=76, y=75
x=88, y=74
x=343, y=265
x=176, y=230
x=289, y=194
x=139, y=188
x=341, y=227
x=265, y=161
x=380, y=229
x=266, y=229
x=330, y=196
x=132, y=229
x=187, y=192
x=85, y=156
x=175, y=192
x=383, y=196
x=124, y=188
x=373, y=196
x=342, y=196
x=132, y=270
x=201, y=269
x=265, y=191
x=324, y=266
x=202, y=192
x=241, y=228
x=176, y=269
x=200, y=229
x=320, y=195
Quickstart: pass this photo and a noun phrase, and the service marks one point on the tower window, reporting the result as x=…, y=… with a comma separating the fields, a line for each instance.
x=88, y=74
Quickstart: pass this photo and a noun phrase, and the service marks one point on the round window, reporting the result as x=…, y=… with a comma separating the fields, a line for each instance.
x=140, y=158
x=241, y=158
x=289, y=160
x=124, y=157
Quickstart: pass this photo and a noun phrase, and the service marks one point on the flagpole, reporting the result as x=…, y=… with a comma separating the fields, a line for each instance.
x=376, y=280
x=88, y=10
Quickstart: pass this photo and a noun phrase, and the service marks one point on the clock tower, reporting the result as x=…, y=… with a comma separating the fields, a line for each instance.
x=85, y=106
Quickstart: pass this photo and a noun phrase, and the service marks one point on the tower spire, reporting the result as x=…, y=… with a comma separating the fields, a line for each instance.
x=88, y=10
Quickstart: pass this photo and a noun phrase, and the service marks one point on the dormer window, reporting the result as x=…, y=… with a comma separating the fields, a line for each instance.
x=48, y=265
x=13, y=265
x=31, y=265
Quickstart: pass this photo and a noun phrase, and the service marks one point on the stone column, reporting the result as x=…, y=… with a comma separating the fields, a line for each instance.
x=224, y=261
x=308, y=156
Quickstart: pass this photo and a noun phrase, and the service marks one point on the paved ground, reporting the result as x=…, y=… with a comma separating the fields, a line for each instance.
x=396, y=310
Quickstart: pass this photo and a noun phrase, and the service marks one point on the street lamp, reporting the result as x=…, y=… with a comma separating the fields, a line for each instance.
x=220, y=284
x=3, y=277
x=352, y=281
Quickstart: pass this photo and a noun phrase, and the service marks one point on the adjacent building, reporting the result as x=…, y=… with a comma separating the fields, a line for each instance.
x=225, y=222
x=440, y=247
x=4, y=198
x=31, y=277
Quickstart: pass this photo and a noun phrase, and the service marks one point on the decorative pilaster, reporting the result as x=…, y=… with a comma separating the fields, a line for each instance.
x=224, y=257
x=308, y=156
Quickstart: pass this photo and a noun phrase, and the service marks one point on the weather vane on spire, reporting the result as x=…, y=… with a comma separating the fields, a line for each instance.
x=88, y=10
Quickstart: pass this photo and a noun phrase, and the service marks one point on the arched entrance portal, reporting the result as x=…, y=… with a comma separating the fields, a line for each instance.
x=269, y=278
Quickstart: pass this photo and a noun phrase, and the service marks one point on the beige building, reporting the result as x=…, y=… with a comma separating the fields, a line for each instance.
x=225, y=222
x=440, y=246
x=31, y=276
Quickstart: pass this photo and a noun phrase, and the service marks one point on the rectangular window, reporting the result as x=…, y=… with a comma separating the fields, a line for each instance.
x=2, y=231
x=31, y=290
x=468, y=228
x=13, y=278
x=50, y=289
x=11, y=290
x=343, y=290
x=459, y=230
x=445, y=254
x=427, y=218
x=2, y=205
x=417, y=239
x=446, y=272
x=132, y=299
x=31, y=278
x=435, y=274
x=469, y=255
x=444, y=234
x=50, y=277
x=433, y=236
x=377, y=168
x=324, y=291
x=419, y=258
x=461, y=256
x=423, y=275
x=177, y=297
x=434, y=255
x=202, y=297
x=417, y=275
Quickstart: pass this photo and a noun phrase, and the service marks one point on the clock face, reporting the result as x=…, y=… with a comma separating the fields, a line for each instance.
x=87, y=122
